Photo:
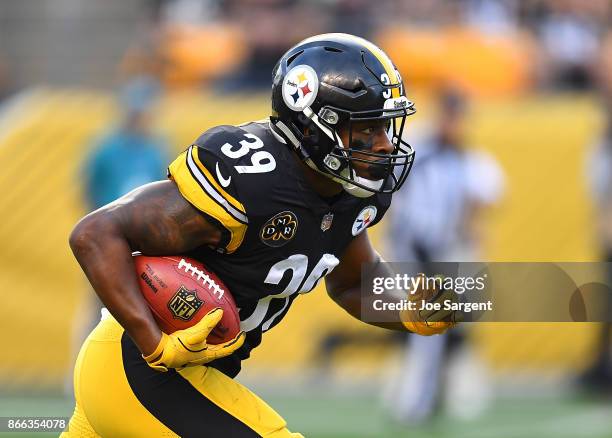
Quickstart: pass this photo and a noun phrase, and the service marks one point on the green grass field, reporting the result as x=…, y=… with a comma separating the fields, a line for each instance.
x=328, y=416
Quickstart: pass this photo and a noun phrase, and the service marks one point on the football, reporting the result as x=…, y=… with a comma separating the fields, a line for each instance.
x=180, y=291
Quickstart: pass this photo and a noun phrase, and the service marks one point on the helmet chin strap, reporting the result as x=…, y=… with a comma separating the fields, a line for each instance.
x=360, y=192
x=348, y=187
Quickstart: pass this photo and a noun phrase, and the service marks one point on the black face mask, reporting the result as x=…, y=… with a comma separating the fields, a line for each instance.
x=324, y=148
x=376, y=169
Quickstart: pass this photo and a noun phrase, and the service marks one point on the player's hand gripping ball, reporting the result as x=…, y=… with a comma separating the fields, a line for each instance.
x=429, y=322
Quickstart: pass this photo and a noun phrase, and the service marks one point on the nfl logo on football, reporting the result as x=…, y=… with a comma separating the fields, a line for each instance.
x=184, y=304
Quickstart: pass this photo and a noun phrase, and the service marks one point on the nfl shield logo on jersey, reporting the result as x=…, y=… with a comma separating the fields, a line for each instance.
x=327, y=221
x=184, y=304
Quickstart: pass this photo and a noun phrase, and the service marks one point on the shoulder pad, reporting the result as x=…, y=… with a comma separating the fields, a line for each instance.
x=208, y=182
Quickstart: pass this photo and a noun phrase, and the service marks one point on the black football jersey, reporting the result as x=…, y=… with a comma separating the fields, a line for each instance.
x=279, y=236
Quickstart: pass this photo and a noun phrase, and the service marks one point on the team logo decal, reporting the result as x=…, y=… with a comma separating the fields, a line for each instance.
x=184, y=303
x=364, y=219
x=279, y=230
x=300, y=87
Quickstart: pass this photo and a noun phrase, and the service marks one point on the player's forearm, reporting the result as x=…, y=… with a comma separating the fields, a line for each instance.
x=106, y=258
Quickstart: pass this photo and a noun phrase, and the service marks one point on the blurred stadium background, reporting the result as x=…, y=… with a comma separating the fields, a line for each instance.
x=535, y=69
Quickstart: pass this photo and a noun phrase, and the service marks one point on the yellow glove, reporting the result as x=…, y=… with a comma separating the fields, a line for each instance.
x=429, y=322
x=188, y=347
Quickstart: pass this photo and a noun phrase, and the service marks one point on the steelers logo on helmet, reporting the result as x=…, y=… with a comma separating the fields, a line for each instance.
x=300, y=87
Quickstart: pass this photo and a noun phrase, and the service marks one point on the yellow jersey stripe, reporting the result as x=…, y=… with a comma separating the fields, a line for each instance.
x=191, y=187
x=233, y=201
x=211, y=191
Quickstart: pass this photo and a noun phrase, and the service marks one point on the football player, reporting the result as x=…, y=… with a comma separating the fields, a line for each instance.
x=271, y=207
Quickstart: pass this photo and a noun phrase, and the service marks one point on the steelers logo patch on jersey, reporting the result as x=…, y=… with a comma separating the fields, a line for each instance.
x=184, y=303
x=280, y=229
x=364, y=219
x=300, y=87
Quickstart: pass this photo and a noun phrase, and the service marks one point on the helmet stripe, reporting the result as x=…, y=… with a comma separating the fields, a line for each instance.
x=372, y=48
x=384, y=61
